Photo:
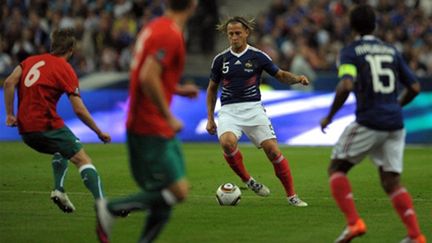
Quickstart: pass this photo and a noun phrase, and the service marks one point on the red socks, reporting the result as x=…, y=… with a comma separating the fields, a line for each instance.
x=341, y=191
x=402, y=202
x=235, y=161
x=283, y=172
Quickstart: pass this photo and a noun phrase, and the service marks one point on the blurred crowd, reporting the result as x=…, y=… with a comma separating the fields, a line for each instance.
x=303, y=36
x=105, y=29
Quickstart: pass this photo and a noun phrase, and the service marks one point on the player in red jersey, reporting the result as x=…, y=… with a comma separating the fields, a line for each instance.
x=41, y=80
x=155, y=156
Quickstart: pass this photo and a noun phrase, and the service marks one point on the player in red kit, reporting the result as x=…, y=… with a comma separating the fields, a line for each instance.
x=41, y=80
x=155, y=156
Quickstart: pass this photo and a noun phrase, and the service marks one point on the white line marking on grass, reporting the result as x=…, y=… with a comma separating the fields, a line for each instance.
x=212, y=196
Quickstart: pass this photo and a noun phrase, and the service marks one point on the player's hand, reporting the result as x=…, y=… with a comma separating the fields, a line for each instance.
x=104, y=137
x=187, y=90
x=211, y=127
x=175, y=124
x=324, y=123
x=11, y=121
x=303, y=80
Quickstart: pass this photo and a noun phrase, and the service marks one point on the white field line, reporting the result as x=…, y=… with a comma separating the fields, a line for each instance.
x=212, y=196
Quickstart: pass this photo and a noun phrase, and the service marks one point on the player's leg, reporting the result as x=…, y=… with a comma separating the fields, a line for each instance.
x=159, y=214
x=157, y=166
x=61, y=143
x=233, y=156
x=48, y=142
x=58, y=195
x=282, y=170
x=389, y=159
x=59, y=166
x=88, y=172
x=353, y=145
x=402, y=202
x=341, y=191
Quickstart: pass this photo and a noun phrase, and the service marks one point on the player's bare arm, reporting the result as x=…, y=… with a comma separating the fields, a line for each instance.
x=84, y=115
x=9, y=95
x=149, y=77
x=343, y=90
x=211, y=103
x=187, y=90
x=290, y=78
x=409, y=93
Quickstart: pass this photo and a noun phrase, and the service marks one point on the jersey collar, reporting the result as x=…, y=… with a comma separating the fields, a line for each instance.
x=241, y=53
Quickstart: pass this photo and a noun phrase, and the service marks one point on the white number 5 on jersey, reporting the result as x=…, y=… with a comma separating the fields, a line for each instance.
x=225, y=67
x=34, y=74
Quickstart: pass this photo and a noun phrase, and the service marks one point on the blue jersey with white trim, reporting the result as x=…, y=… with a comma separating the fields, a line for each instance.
x=240, y=74
x=377, y=70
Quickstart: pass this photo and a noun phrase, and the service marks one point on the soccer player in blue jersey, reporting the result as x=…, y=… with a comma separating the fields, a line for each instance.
x=373, y=70
x=238, y=69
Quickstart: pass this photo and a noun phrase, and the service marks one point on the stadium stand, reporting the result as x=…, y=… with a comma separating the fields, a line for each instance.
x=300, y=35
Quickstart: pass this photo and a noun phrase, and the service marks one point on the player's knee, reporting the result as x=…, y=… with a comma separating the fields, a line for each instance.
x=339, y=166
x=228, y=146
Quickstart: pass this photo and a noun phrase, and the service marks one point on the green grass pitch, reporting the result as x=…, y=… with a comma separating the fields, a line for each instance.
x=27, y=214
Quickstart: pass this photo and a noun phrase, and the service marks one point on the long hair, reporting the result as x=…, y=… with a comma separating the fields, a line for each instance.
x=247, y=24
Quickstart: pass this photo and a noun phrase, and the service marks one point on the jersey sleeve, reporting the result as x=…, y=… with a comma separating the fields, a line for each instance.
x=267, y=64
x=163, y=49
x=346, y=66
x=216, y=69
x=406, y=76
x=70, y=83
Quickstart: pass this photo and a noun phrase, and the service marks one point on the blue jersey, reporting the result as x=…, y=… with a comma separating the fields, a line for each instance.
x=240, y=74
x=377, y=70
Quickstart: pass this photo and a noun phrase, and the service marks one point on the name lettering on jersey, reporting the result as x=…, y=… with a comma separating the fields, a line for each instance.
x=373, y=49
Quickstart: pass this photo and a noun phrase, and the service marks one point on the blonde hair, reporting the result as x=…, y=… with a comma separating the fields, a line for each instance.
x=247, y=24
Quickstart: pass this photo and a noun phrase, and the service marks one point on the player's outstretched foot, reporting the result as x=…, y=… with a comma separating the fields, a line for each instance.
x=104, y=221
x=258, y=188
x=296, y=201
x=418, y=239
x=62, y=201
x=352, y=231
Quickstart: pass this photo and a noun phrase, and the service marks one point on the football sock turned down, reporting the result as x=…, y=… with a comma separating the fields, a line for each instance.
x=402, y=202
x=60, y=167
x=341, y=191
x=156, y=220
x=91, y=180
x=235, y=161
x=283, y=172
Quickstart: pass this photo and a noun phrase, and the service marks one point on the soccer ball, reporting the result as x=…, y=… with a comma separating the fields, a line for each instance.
x=228, y=194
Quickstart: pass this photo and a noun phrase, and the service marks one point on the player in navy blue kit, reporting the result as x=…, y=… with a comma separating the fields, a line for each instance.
x=238, y=69
x=373, y=70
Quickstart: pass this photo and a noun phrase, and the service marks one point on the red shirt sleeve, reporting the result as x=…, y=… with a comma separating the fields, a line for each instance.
x=69, y=81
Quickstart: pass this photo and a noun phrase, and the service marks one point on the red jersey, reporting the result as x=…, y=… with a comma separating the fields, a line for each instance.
x=163, y=40
x=44, y=79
